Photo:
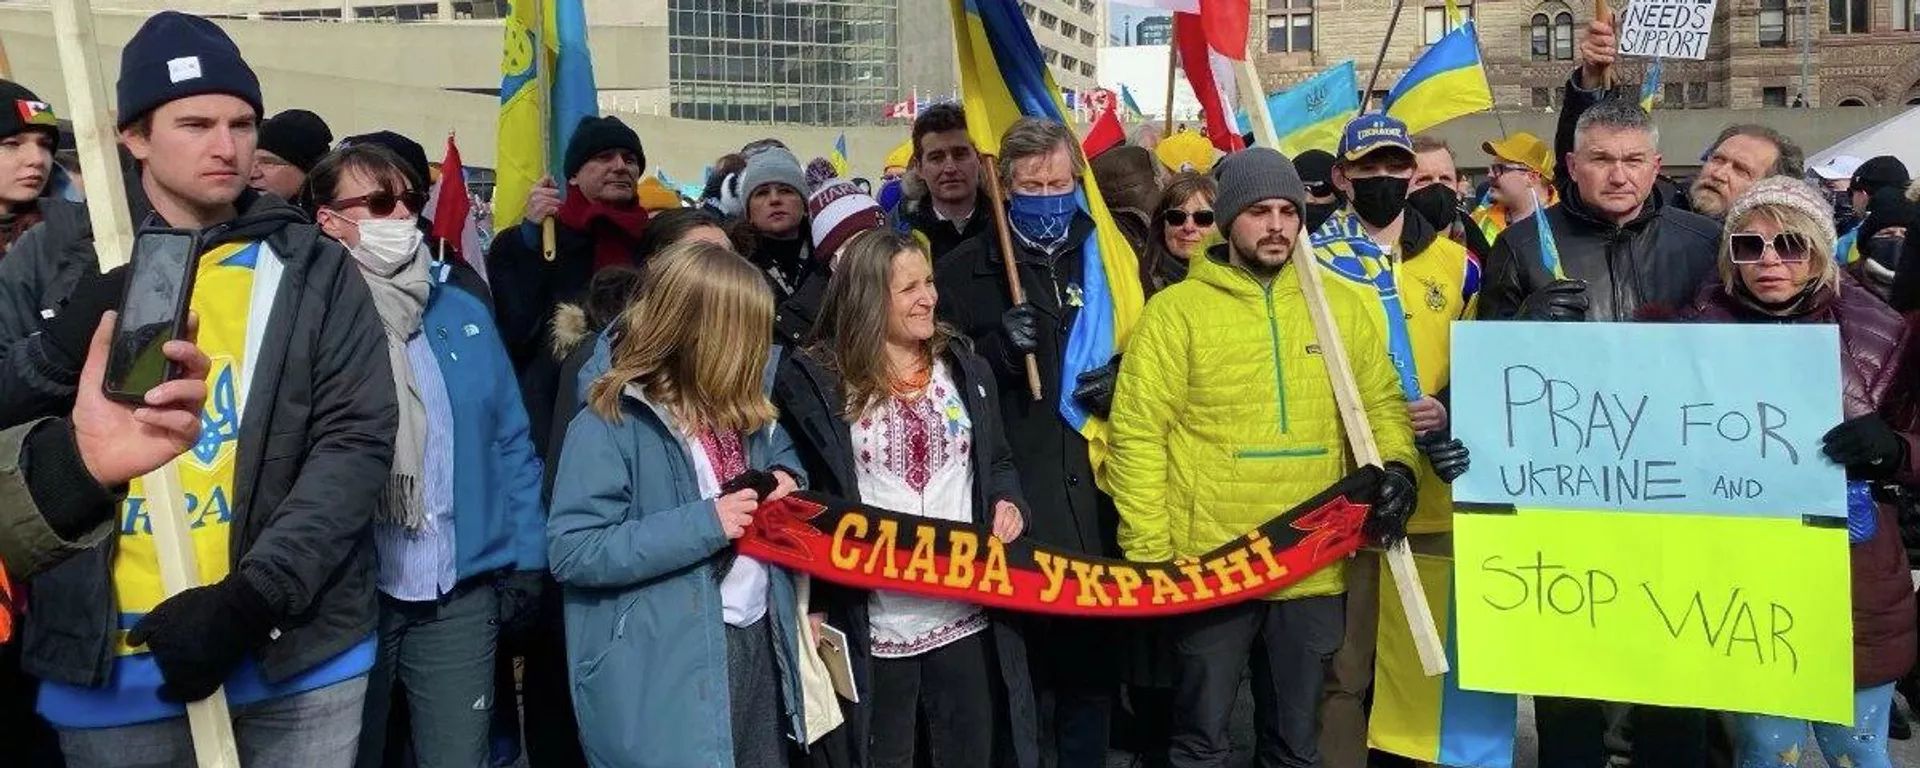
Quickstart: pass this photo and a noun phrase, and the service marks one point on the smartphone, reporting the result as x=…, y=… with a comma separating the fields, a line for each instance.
x=153, y=311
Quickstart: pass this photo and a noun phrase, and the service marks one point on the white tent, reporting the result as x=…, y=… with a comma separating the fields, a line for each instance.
x=1892, y=136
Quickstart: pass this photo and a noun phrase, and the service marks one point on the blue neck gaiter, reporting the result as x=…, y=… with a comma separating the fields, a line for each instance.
x=1043, y=219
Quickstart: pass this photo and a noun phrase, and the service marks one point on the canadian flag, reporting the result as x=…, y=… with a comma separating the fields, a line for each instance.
x=452, y=207
x=1106, y=132
x=905, y=110
x=1210, y=35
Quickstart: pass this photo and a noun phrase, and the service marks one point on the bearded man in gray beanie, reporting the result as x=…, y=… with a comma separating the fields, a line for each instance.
x=1224, y=415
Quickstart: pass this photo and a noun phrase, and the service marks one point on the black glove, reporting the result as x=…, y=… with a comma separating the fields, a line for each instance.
x=1021, y=326
x=1867, y=447
x=70, y=330
x=1093, y=390
x=761, y=482
x=519, y=593
x=1447, y=455
x=1560, y=300
x=1392, y=504
x=198, y=637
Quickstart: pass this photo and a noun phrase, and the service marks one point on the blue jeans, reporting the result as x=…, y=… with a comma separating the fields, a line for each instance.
x=316, y=729
x=1778, y=742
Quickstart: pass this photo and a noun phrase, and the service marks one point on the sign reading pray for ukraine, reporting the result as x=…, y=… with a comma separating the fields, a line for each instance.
x=1659, y=418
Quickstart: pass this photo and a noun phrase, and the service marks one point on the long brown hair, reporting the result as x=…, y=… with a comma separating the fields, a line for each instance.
x=1180, y=189
x=850, y=336
x=696, y=341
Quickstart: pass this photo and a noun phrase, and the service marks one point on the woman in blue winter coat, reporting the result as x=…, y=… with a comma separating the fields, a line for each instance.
x=682, y=652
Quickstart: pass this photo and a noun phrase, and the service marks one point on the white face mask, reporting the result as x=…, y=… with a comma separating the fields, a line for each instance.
x=386, y=245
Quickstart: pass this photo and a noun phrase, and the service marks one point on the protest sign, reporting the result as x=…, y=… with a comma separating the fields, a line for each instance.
x=1666, y=418
x=1720, y=613
x=1673, y=29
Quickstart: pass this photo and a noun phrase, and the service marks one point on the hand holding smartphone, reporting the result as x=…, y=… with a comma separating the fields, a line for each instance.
x=153, y=311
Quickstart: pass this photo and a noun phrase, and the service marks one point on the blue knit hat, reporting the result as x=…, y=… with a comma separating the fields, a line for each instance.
x=176, y=55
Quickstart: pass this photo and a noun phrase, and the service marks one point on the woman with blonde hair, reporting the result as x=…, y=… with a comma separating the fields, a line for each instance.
x=888, y=408
x=1777, y=266
x=682, y=653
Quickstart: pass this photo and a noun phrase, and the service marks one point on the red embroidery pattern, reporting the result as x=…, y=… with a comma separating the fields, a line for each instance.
x=918, y=445
x=726, y=453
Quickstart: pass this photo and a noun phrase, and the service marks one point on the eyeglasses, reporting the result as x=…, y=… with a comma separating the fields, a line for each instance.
x=1498, y=169
x=1178, y=218
x=381, y=203
x=1750, y=248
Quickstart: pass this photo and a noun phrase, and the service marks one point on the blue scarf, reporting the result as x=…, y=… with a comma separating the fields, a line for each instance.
x=1043, y=219
x=1343, y=246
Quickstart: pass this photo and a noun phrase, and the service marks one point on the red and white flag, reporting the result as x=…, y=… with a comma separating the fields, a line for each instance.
x=1210, y=35
x=905, y=110
x=452, y=207
x=1105, y=133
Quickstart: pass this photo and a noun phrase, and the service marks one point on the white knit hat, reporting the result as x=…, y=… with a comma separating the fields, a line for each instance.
x=1786, y=192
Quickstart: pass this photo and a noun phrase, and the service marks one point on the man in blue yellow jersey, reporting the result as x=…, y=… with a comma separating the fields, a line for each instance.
x=296, y=440
x=1415, y=283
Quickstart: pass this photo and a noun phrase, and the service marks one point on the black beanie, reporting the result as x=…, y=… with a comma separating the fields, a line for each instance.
x=296, y=136
x=595, y=135
x=21, y=111
x=176, y=55
x=409, y=151
x=1883, y=172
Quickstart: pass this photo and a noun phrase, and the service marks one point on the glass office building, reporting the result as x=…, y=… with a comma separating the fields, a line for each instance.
x=817, y=62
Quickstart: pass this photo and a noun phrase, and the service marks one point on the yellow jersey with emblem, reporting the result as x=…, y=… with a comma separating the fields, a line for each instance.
x=222, y=295
x=1437, y=286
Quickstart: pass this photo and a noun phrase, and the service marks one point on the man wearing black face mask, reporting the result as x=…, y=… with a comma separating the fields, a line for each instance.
x=1435, y=191
x=1316, y=172
x=1434, y=282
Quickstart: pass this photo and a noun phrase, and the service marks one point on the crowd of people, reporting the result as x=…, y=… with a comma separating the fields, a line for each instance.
x=445, y=515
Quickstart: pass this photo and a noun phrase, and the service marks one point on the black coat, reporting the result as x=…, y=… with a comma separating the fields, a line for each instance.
x=941, y=237
x=1068, y=510
x=811, y=400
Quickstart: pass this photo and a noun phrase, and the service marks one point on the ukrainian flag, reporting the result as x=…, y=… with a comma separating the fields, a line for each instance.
x=546, y=72
x=1448, y=81
x=1311, y=115
x=1431, y=719
x=1133, y=107
x=839, y=157
x=1002, y=79
x=1651, y=86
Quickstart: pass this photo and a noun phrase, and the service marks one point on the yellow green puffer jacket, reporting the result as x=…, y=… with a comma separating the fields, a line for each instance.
x=1224, y=416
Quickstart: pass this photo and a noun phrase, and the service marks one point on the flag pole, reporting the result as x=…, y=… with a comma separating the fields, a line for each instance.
x=1366, y=98
x=543, y=79
x=1173, y=64
x=1019, y=295
x=208, y=719
x=1600, y=12
x=1346, y=392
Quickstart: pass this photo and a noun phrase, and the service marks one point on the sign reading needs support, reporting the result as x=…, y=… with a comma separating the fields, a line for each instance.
x=1711, y=419
x=1673, y=29
x=1721, y=613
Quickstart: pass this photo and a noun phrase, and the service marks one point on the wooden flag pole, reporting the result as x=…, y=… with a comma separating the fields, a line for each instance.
x=93, y=132
x=6, y=64
x=1602, y=13
x=1173, y=67
x=543, y=81
x=1366, y=97
x=990, y=168
x=1346, y=394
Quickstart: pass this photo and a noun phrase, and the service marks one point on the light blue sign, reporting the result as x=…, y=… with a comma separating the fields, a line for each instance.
x=1676, y=418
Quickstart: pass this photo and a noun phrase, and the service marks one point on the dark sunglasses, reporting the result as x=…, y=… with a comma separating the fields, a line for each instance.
x=1178, y=218
x=382, y=203
x=1749, y=248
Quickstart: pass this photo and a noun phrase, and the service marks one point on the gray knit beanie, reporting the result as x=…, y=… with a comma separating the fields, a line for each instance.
x=1783, y=192
x=772, y=165
x=1250, y=176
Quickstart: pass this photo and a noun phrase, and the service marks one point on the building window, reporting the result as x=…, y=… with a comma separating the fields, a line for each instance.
x=1069, y=63
x=1027, y=9
x=1049, y=20
x=1697, y=94
x=1542, y=38
x=1086, y=38
x=1086, y=69
x=1289, y=26
x=1848, y=16
x=1435, y=24
x=1563, y=37
x=1675, y=95
x=1542, y=98
x=1773, y=97
x=1773, y=23
x=1846, y=102
x=1069, y=30
x=1053, y=56
x=1086, y=6
x=1906, y=15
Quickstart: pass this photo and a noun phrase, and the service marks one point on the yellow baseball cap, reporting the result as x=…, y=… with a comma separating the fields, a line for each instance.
x=1525, y=149
x=1186, y=151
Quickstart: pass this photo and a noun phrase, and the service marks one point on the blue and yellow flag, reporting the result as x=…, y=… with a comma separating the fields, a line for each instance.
x=1311, y=115
x=1651, y=86
x=839, y=157
x=1431, y=719
x=558, y=87
x=1549, y=249
x=1447, y=82
x=1004, y=78
x=1133, y=107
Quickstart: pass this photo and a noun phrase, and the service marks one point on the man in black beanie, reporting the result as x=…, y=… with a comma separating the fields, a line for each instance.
x=290, y=143
x=279, y=509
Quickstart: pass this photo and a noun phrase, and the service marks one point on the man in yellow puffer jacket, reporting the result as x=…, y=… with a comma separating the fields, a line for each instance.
x=1224, y=417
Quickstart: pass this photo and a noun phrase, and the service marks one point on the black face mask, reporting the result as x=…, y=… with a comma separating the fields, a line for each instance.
x=1380, y=199
x=1437, y=203
x=1318, y=213
x=1884, y=251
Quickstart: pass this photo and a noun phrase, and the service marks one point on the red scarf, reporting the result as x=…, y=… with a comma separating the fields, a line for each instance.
x=615, y=230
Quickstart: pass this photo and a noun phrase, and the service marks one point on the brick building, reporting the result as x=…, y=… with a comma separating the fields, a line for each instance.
x=1864, y=52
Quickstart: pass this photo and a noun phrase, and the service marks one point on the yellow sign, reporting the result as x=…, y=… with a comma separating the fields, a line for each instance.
x=1713, y=612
